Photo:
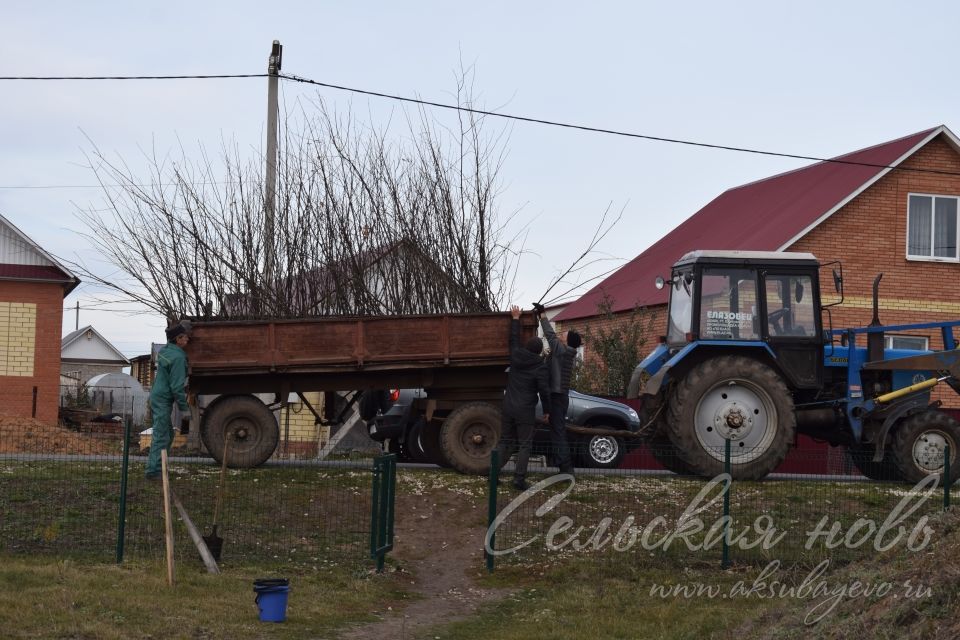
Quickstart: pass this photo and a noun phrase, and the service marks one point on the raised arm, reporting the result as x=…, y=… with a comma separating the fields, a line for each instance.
x=549, y=333
x=515, y=328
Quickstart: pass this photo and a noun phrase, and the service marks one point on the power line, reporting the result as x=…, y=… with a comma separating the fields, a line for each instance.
x=181, y=77
x=100, y=186
x=613, y=132
x=441, y=105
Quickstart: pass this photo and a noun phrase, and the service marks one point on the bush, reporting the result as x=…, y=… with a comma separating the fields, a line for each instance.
x=612, y=351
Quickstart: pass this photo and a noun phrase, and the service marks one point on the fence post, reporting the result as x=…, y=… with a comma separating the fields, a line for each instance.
x=382, y=507
x=946, y=477
x=725, y=562
x=124, y=467
x=494, y=479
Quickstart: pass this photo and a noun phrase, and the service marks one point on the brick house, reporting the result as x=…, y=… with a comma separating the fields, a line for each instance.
x=895, y=211
x=32, y=287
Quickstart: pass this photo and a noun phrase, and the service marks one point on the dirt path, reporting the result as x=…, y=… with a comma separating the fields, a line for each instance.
x=438, y=542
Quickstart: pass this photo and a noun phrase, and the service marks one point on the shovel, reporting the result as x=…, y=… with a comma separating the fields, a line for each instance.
x=213, y=541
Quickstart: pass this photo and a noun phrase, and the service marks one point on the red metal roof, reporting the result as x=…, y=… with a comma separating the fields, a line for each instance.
x=766, y=215
x=33, y=272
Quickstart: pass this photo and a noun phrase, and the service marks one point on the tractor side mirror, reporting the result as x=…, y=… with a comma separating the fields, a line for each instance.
x=798, y=291
x=659, y=283
x=837, y=282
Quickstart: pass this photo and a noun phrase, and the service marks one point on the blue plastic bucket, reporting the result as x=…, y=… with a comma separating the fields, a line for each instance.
x=272, y=598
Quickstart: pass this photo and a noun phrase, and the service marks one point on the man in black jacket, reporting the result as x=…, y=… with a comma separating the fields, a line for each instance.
x=526, y=380
x=563, y=354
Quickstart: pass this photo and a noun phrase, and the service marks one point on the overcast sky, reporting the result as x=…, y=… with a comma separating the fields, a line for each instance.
x=811, y=78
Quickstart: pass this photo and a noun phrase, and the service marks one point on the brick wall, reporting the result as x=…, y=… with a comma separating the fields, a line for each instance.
x=306, y=437
x=869, y=235
x=31, y=316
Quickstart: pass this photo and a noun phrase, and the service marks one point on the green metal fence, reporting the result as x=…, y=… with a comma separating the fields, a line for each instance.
x=80, y=491
x=622, y=519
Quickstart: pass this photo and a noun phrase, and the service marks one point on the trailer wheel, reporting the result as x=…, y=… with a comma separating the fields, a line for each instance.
x=469, y=435
x=735, y=398
x=413, y=443
x=430, y=443
x=252, y=428
x=919, y=444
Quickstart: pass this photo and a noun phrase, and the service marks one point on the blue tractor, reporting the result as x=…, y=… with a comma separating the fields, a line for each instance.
x=746, y=359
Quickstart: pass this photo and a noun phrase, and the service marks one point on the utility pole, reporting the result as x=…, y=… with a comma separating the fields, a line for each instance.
x=78, y=316
x=270, y=195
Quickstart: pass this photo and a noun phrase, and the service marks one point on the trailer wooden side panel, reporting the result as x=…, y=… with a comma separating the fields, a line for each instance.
x=332, y=345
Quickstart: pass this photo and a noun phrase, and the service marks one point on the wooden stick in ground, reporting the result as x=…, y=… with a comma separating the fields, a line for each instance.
x=205, y=554
x=167, y=516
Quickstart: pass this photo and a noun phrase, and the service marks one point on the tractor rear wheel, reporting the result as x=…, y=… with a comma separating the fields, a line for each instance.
x=735, y=398
x=666, y=454
x=250, y=426
x=919, y=444
x=469, y=435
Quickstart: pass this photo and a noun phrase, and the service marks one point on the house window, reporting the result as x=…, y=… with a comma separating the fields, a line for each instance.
x=932, y=227
x=916, y=343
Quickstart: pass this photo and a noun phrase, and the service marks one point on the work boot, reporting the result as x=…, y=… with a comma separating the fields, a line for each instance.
x=152, y=476
x=520, y=484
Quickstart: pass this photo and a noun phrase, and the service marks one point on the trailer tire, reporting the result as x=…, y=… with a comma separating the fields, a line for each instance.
x=918, y=445
x=469, y=435
x=731, y=397
x=414, y=444
x=253, y=429
x=430, y=443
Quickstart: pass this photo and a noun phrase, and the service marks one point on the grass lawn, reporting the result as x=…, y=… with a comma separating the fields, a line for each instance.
x=573, y=603
x=45, y=598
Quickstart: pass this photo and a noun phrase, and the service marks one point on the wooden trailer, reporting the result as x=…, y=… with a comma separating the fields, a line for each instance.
x=460, y=360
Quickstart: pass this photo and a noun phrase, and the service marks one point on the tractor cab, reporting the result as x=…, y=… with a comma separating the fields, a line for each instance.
x=758, y=298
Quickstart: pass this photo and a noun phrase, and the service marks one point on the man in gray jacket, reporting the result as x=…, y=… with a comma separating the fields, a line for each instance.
x=563, y=354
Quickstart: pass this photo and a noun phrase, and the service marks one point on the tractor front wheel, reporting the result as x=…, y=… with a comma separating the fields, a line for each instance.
x=731, y=398
x=920, y=442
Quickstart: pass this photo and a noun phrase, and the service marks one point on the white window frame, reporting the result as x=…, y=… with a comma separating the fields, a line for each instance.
x=933, y=229
x=888, y=340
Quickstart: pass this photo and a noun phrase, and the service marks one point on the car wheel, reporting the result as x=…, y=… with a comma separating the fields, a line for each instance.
x=601, y=451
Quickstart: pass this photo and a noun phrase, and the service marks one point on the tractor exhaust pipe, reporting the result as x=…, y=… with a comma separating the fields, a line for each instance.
x=875, y=341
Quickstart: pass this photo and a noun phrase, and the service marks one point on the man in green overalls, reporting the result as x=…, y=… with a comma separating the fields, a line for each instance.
x=169, y=386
